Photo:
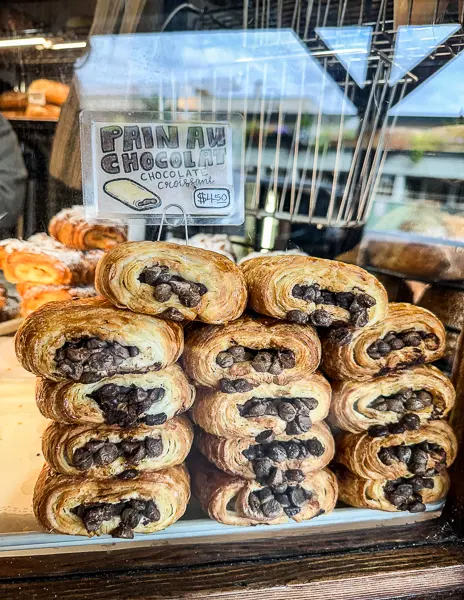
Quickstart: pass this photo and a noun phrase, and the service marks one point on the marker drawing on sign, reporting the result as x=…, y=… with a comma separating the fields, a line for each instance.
x=132, y=194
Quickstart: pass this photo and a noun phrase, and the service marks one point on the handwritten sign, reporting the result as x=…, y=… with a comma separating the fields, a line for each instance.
x=139, y=167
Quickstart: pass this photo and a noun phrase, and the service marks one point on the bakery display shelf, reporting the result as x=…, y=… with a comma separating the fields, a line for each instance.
x=437, y=282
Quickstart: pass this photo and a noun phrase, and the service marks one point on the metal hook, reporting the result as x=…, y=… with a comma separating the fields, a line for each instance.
x=164, y=219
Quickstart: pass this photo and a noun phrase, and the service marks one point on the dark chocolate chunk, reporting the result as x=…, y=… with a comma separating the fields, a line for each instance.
x=378, y=431
x=265, y=437
x=123, y=532
x=321, y=318
x=158, y=419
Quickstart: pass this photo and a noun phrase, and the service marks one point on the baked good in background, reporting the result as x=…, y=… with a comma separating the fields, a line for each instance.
x=304, y=289
x=73, y=229
x=216, y=242
x=34, y=296
x=291, y=408
x=104, y=451
x=232, y=500
x=13, y=101
x=260, y=458
x=124, y=400
x=408, y=336
x=172, y=281
x=43, y=260
x=87, y=340
x=391, y=495
x=88, y=506
x=248, y=352
x=36, y=111
x=55, y=92
x=392, y=452
x=423, y=391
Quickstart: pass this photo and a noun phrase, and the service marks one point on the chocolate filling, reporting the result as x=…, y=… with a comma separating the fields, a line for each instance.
x=408, y=422
x=268, y=452
x=406, y=400
x=295, y=411
x=405, y=493
x=356, y=303
x=127, y=406
x=165, y=284
x=399, y=340
x=103, y=452
x=270, y=501
x=90, y=359
x=262, y=361
x=130, y=512
x=416, y=456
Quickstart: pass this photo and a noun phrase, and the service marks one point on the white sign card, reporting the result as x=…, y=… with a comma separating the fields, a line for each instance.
x=136, y=165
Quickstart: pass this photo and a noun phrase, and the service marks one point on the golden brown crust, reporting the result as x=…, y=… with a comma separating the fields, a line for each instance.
x=160, y=343
x=369, y=493
x=270, y=280
x=360, y=453
x=60, y=441
x=118, y=280
x=35, y=296
x=350, y=409
x=55, y=91
x=74, y=230
x=218, y=413
x=69, y=402
x=227, y=454
x=225, y=498
x=204, y=343
x=352, y=361
x=447, y=304
x=55, y=496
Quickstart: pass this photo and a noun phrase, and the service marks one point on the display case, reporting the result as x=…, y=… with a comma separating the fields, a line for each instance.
x=231, y=246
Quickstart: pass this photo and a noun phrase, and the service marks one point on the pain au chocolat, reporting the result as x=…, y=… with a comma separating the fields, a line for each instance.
x=124, y=400
x=105, y=451
x=260, y=458
x=237, y=501
x=87, y=340
x=304, y=289
x=291, y=408
x=408, y=336
x=241, y=355
x=392, y=495
x=423, y=391
x=87, y=506
x=385, y=454
x=172, y=281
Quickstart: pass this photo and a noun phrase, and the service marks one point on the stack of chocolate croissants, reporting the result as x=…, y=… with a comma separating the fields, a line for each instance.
x=59, y=266
x=108, y=380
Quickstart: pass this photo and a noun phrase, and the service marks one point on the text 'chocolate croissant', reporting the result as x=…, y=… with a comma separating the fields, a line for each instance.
x=424, y=451
x=87, y=506
x=172, y=281
x=104, y=451
x=404, y=493
x=87, y=340
x=290, y=408
x=236, y=501
x=408, y=336
x=312, y=290
x=243, y=354
x=125, y=400
x=423, y=391
x=71, y=227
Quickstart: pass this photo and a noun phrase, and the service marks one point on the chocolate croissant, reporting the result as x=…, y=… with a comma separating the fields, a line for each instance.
x=411, y=493
x=87, y=340
x=304, y=289
x=43, y=260
x=172, y=281
x=423, y=391
x=290, y=408
x=236, y=501
x=35, y=296
x=261, y=458
x=422, y=451
x=408, y=336
x=73, y=229
x=248, y=352
x=104, y=451
x=86, y=506
x=125, y=400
